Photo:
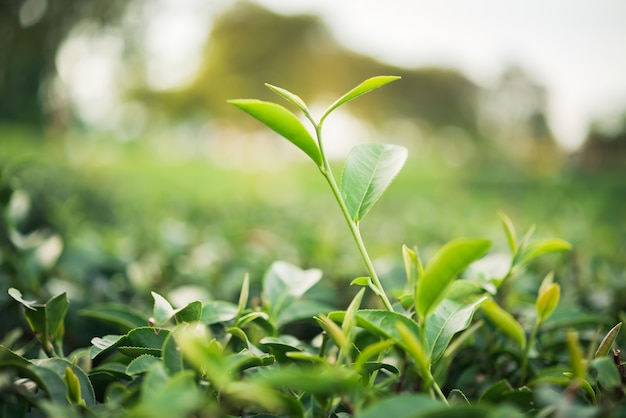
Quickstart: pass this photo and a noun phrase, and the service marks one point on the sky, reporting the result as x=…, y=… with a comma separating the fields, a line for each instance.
x=574, y=48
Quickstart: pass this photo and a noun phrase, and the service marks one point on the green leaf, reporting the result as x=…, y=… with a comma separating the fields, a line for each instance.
x=282, y=121
x=141, y=364
x=608, y=340
x=290, y=97
x=165, y=396
x=217, y=311
x=410, y=342
x=365, y=87
x=538, y=248
x=412, y=267
x=162, y=311
x=284, y=283
x=171, y=355
x=102, y=344
x=577, y=361
x=509, y=230
x=73, y=386
x=505, y=321
x=447, y=319
x=17, y=295
x=403, y=406
x=116, y=314
x=496, y=392
x=189, y=313
x=368, y=171
x=46, y=320
x=59, y=366
x=547, y=301
x=380, y=322
x=452, y=259
x=146, y=340
x=243, y=295
x=607, y=373
x=301, y=309
x=319, y=381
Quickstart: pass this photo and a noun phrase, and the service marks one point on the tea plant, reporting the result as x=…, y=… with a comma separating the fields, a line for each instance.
x=220, y=359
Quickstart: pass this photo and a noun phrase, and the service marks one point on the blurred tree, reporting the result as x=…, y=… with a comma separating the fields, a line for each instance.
x=249, y=46
x=605, y=146
x=31, y=32
x=514, y=117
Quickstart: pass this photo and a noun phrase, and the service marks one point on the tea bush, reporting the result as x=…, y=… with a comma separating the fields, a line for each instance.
x=470, y=331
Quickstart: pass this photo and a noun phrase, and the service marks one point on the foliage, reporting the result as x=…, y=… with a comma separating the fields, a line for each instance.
x=458, y=340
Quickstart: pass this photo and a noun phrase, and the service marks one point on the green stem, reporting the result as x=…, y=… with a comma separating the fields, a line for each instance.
x=529, y=344
x=352, y=225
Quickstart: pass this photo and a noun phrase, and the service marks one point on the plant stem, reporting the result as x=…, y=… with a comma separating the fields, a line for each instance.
x=529, y=344
x=352, y=225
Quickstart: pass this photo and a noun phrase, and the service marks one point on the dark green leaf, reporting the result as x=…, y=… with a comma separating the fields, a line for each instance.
x=46, y=320
x=448, y=262
x=172, y=355
x=103, y=344
x=58, y=366
x=402, y=406
x=368, y=171
x=189, y=313
x=282, y=121
x=141, y=364
x=607, y=373
x=117, y=314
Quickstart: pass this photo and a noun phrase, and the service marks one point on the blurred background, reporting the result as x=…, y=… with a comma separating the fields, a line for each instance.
x=124, y=170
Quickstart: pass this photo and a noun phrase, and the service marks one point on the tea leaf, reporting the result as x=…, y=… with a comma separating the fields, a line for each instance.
x=538, y=248
x=73, y=386
x=607, y=373
x=171, y=355
x=283, y=122
x=284, y=283
x=244, y=294
x=577, y=360
x=448, y=262
x=509, y=230
x=368, y=171
x=365, y=87
x=290, y=97
x=607, y=341
x=403, y=406
x=410, y=343
x=505, y=321
x=547, y=301
x=189, y=313
x=380, y=322
x=162, y=311
x=59, y=366
x=216, y=311
x=141, y=364
x=117, y=314
x=47, y=319
x=447, y=319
